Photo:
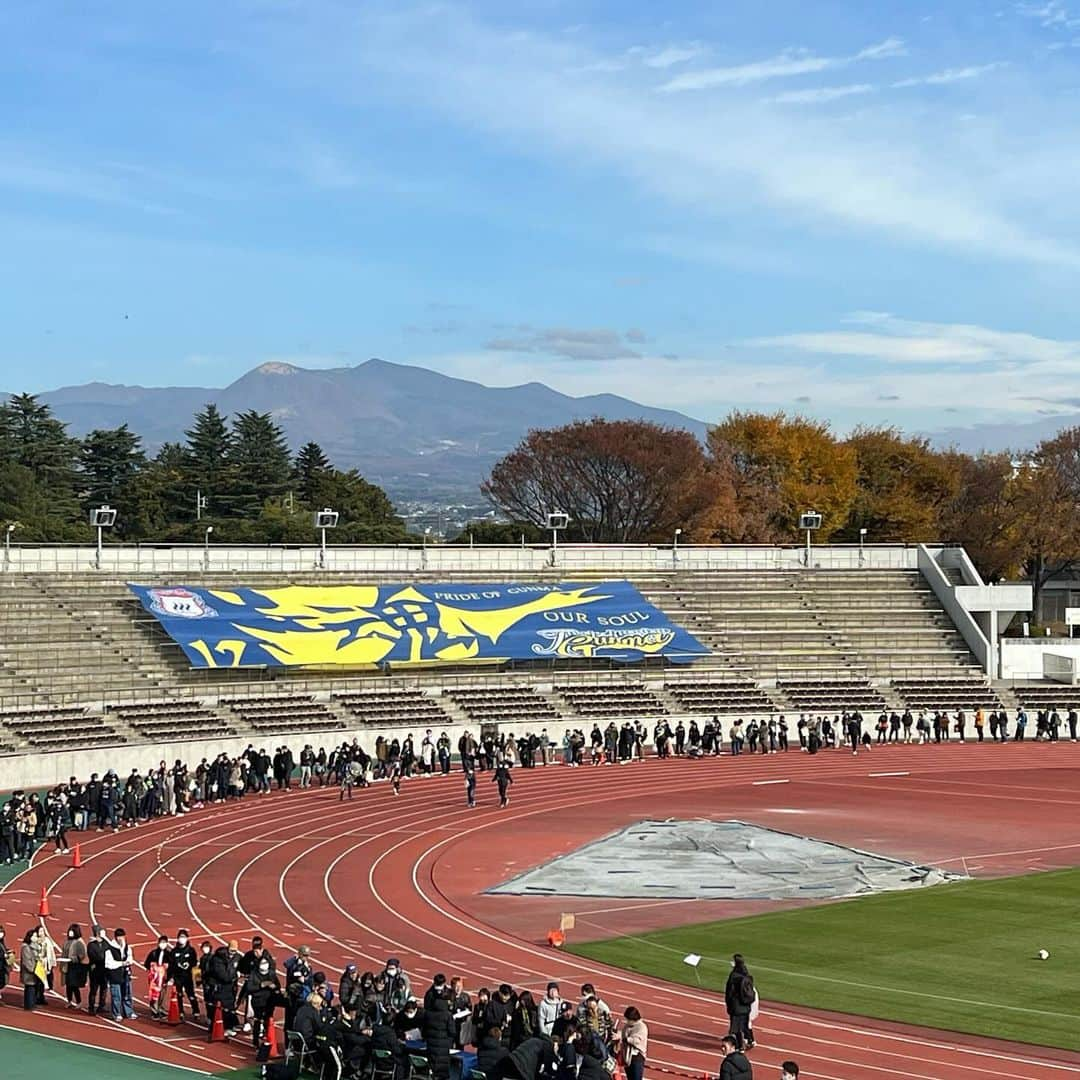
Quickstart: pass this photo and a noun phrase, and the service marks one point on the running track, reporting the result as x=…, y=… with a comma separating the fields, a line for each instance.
x=387, y=876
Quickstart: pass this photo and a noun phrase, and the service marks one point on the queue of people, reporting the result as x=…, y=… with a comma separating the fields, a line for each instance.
x=503, y=1033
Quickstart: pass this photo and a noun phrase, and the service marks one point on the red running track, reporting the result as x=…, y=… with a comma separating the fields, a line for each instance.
x=403, y=876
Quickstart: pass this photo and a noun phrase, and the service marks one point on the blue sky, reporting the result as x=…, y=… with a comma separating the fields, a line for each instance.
x=865, y=212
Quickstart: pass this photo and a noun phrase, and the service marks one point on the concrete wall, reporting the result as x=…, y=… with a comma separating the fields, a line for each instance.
x=192, y=559
x=1022, y=658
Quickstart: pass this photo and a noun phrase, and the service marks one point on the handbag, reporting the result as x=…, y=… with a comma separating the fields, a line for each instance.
x=39, y=971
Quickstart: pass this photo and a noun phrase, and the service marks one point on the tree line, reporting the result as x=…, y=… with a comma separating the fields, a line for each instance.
x=237, y=476
x=629, y=481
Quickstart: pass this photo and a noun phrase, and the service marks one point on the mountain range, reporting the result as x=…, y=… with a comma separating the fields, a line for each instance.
x=419, y=434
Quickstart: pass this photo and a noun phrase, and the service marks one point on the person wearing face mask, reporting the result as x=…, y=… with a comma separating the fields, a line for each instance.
x=263, y=990
x=183, y=961
x=398, y=989
x=249, y=963
x=73, y=959
x=408, y=1021
x=550, y=1005
x=221, y=985
x=157, y=970
x=118, y=961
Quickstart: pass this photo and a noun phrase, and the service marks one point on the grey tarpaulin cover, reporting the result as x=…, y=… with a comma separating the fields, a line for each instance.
x=715, y=860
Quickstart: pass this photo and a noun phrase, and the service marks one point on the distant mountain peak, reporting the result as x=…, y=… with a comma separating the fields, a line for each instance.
x=277, y=367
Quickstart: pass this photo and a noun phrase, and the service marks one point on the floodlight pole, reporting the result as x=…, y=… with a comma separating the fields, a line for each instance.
x=97, y=561
x=675, y=548
x=808, y=549
x=206, y=547
x=322, y=549
x=862, y=540
x=7, y=544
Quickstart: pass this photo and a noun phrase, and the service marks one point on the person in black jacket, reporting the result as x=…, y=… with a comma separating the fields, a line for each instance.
x=738, y=998
x=438, y=1031
x=182, y=963
x=535, y=1058
x=247, y=967
x=734, y=1064
x=99, y=981
x=490, y=1051
x=263, y=990
x=504, y=779
x=220, y=985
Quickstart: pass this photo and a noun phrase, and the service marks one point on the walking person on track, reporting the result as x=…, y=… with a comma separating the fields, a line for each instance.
x=183, y=961
x=739, y=997
x=503, y=778
x=470, y=785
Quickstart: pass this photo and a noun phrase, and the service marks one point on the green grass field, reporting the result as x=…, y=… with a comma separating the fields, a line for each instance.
x=961, y=957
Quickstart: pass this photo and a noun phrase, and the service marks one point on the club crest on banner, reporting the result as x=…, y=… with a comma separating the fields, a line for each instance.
x=179, y=603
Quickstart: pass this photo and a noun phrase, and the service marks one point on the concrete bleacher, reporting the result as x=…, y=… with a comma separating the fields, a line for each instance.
x=1036, y=696
x=781, y=639
x=947, y=693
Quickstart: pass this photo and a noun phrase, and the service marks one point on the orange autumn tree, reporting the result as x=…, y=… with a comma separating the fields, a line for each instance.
x=778, y=466
x=620, y=481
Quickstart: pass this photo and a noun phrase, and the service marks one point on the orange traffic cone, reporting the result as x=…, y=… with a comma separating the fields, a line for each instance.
x=43, y=904
x=271, y=1038
x=174, y=1007
x=217, y=1028
x=76, y=858
x=556, y=939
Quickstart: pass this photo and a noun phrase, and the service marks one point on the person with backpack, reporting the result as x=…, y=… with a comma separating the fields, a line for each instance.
x=739, y=997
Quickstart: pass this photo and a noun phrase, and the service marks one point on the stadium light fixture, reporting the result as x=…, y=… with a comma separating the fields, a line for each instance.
x=809, y=521
x=556, y=522
x=862, y=542
x=324, y=519
x=206, y=546
x=675, y=546
x=101, y=518
x=12, y=526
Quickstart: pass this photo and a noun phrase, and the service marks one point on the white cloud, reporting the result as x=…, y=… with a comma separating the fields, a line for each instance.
x=822, y=94
x=896, y=174
x=786, y=65
x=949, y=75
x=674, y=54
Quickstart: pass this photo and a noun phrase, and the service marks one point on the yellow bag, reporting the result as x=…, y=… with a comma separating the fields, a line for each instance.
x=39, y=970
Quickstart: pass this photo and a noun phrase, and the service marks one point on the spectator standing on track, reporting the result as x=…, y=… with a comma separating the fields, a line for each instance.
x=6, y=960
x=635, y=1044
x=739, y=994
x=118, y=961
x=157, y=972
x=398, y=989
x=30, y=971
x=789, y=1071
x=439, y=1034
x=307, y=765
x=734, y=1064
x=99, y=981
x=222, y=972
x=182, y=963
x=470, y=785
x=549, y=1008
x=74, y=961
x=443, y=747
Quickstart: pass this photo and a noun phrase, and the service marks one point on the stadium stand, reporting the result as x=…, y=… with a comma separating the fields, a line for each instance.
x=49, y=728
x=1047, y=696
x=392, y=707
x=714, y=695
x=832, y=695
x=284, y=713
x=616, y=699
x=171, y=720
x=946, y=693
x=514, y=704
x=82, y=664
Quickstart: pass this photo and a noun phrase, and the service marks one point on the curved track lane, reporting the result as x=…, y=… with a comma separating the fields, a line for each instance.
x=382, y=875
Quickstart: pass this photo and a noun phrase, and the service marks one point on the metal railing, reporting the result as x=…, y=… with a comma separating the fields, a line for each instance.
x=192, y=559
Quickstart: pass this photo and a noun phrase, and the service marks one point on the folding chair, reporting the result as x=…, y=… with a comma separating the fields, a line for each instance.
x=419, y=1067
x=383, y=1066
x=296, y=1048
x=477, y=1074
x=334, y=1065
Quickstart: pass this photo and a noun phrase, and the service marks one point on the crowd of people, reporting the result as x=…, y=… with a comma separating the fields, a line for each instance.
x=370, y=1017
x=113, y=802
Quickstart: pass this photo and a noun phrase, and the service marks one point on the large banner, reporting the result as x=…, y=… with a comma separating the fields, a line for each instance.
x=374, y=625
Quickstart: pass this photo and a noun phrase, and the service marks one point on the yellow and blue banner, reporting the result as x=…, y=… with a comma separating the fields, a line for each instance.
x=376, y=625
